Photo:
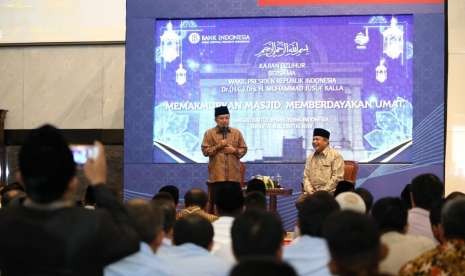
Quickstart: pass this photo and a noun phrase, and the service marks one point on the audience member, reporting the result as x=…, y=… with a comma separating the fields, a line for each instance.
x=257, y=233
x=390, y=214
x=193, y=237
x=454, y=195
x=148, y=222
x=308, y=253
x=229, y=201
x=47, y=234
x=12, y=193
x=262, y=266
x=367, y=198
x=195, y=202
x=449, y=258
x=406, y=196
x=344, y=186
x=354, y=244
x=256, y=185
x=165, y=196
x=351, y=201
x=173, y=191
x=425, y=190
x=435, y=220
x=166, y=205
x=255, y=200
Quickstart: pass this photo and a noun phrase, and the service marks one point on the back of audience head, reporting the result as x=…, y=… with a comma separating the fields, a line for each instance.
x=169, y=213
x=147, y=220
x=257, y=266
x=354, y=244
x=435, y=220
x=257, y=233
x=390, y=214
x=229, y=198
x=406, y=196
x=312, y=210
x=426, y=189
x=343, y=186
x=173, y=191
x=452, y=218
x=11, y=192
x=351, y=201
x=367, y=198
x=255, y=200
x=196, y=197
x=46, y=165
x=455, y=195
x=164, y=196
x=256, y=185
x=193, y=229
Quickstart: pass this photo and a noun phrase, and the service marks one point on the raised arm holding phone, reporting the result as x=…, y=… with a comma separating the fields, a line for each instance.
x=48, y=234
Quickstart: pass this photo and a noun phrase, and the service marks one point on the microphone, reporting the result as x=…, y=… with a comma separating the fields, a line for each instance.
x=224, y=130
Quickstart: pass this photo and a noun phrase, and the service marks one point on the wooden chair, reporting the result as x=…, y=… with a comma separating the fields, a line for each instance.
x=350, y=170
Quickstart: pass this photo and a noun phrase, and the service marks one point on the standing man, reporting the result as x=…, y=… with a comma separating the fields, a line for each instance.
x=224, y=147
x=325, y=167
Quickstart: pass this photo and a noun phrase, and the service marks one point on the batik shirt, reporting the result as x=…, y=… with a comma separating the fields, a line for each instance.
x=445, y=259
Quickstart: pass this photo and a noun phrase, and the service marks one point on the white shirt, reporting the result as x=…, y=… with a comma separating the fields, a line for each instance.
x=402, y=248
x=419, y=223
x=142, y=263
x=222, y=243
x=191, y=260
x=308, y=255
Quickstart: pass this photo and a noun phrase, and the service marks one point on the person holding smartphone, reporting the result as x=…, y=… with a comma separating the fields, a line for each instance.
x=47, y=234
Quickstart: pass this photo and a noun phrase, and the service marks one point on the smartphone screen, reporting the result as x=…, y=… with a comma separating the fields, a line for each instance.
x=83, y=152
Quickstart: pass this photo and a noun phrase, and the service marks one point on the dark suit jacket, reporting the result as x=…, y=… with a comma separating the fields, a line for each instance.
x=65, y=241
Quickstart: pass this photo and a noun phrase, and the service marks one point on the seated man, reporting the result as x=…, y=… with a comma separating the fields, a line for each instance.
x=165, y=203
x=255, y=200
x=308, y=253
x=47, y=234
x=256, y=185
x=446, y=259
x=193, y=239
x=367, y=198
x=351, y=201
x=229, y=201
x=344, y=186
x=257, y=233
x=148, y=221
x=325, y=167
x=195, y=202
x=173, y=191
x=390, y=214
x=354, y=244
x=425, y=189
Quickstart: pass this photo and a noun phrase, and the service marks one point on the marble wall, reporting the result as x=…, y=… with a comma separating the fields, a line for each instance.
x=71, y=86
x=455, y=159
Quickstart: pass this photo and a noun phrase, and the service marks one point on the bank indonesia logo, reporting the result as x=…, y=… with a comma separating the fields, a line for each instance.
x=194, y=38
